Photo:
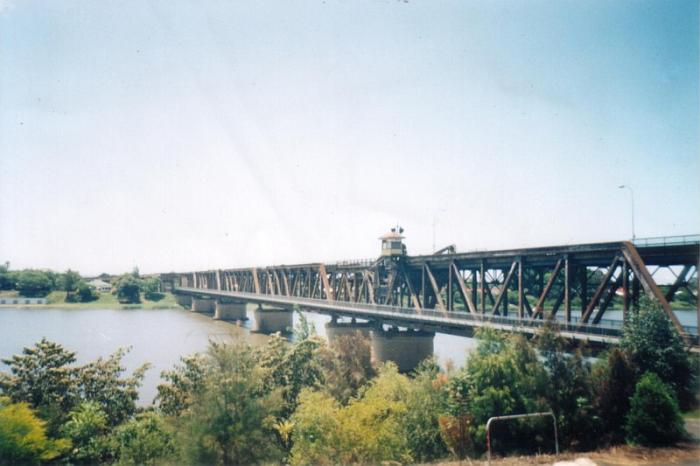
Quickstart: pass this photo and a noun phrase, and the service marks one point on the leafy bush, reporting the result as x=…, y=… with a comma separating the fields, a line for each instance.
x=654, y=417
x=34, y=283
x=568, y=390
x=23, y=437
x=8, y=279
x=427, y=399
x=87, y=428
x=504, y=376
x=143, y=440
x=230, y=420
x=86, y=293
x=151, y=289
x=44, y=377
x=181, y=384
x=128, y=289
x=653, y=345
x=614, y=379
x=69, y=281
x=366, y=431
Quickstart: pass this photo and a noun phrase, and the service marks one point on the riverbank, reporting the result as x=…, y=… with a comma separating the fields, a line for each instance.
x=57, y=299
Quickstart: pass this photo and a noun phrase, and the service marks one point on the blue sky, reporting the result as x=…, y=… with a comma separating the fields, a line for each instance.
x=185, y=135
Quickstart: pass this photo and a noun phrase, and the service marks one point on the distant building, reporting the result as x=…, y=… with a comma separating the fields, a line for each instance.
x=100, y=285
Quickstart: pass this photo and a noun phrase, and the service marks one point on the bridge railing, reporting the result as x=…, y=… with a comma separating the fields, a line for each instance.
x=605, y=327
x=353, y=262
x=453, y=317
x=679, y=240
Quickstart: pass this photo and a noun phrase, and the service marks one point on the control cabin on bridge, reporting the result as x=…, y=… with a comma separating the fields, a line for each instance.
x=392, y=244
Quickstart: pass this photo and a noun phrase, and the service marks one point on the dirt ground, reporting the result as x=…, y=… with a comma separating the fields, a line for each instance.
x=681, y=455
x=686, y=454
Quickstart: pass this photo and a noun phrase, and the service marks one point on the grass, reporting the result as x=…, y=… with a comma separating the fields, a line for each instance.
x=694, y=414
x=108, y=301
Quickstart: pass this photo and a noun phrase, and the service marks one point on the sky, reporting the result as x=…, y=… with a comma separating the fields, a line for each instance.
x=183, y=135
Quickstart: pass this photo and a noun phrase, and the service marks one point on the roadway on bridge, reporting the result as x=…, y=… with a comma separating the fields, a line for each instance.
x=453, y=322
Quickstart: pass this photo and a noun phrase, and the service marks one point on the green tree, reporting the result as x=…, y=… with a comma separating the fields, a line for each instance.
x=654, y=417
x=316, y=429
x=23, y=437
x=652, y=344
x=34, y=283
x=427, y=399
x=128, y=289
x=289, y=368
x=144, y=440
x=347, y=366
x=87, y=430
x=101, y=382
x=69, y=281
x=504, y=377
x=366, y=431
x=231, y=420
x=181, y=385
x=568, y=391
x=44, y=377
x=614, y=380
x=7, y=278
x=304, y=329
x=86, y=293
x=151, y=289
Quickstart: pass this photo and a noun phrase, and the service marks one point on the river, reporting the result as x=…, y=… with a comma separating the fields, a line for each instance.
x=159, y=337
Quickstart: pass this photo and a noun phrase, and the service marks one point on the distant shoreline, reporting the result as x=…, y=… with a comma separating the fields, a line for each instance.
x=56, y=300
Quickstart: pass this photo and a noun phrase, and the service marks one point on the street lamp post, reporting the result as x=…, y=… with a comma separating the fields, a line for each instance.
x=623, y=186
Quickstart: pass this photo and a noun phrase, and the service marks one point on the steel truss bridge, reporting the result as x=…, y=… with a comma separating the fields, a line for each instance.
x=517, y=289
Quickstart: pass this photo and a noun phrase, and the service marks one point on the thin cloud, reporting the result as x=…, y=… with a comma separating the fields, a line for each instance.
x=6, y=5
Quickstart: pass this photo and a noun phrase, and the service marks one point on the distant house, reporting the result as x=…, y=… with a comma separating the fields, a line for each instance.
x=100, y=285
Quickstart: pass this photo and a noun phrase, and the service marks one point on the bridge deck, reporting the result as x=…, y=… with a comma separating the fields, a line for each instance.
x=457, y=323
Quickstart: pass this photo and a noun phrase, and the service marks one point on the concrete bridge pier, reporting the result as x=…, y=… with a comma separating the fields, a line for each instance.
x=202, y=305
x=406, y=348
x=183, y=300
x=335, y=329
x=269, y=320
x=230, y=310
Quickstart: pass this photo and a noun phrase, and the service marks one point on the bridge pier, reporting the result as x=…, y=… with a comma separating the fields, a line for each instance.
x=272, y=320
x=202, y=305
x=230, y=310
x=183, y=300
x=335, y=329
x=406, y=348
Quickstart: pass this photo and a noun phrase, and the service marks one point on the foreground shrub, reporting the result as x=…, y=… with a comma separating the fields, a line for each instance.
x=366, y=431
x=86, y=429
x=653, y=345
x=143, y=440
x=614, y=380
x=23, y=437
x=231, y=419
x=654, y=418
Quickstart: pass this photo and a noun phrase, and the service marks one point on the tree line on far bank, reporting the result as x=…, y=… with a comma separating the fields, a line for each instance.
x=309, y=402
x=33, y=283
